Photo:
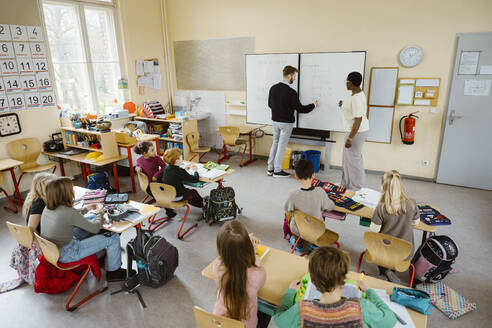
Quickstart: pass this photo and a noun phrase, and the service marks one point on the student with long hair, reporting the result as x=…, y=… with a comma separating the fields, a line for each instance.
x=395, y=214
x=60, y=219
x=237, y=274
x=35, y=201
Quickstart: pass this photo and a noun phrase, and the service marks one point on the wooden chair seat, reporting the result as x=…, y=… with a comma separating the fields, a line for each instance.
x=201, y=150
x=313, y=230
x=206, y=319
x=192, y=140
x=21, y=233
x=39, y=168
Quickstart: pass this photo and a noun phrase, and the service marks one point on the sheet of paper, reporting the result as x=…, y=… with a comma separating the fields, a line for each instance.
x=407, y=81
x=405, y=94
x=157, y=69
x=422, y=102
x=367, y=197
x=486, y=69
x=427, y=83
x=400, y=310
x=469, y=62
x=148, y=66
x=139, y=67
x=477, y=87
x=145, y=81
x=212, y=174
x=156, y=81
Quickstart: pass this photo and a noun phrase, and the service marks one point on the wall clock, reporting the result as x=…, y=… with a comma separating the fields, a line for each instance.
x=411, y=56
x=9, y=124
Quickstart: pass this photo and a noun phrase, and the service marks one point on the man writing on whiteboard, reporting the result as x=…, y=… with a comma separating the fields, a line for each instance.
x=283, y=101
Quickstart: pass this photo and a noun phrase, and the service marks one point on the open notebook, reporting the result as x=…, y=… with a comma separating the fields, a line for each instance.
x=203, y=172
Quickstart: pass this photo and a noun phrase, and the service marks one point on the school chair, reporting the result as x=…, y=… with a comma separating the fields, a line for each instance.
x=52, y=254
x=313, y=230
x=206, y=319
x=27, y=150
x=230, y=135
x=192, y=139
x=14, y=209
x=143, y=182
x=387, y=251
x=164, y=195
x=21, y=233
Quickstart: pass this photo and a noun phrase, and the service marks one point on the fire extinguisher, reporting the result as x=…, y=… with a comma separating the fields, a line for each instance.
x=408, y=136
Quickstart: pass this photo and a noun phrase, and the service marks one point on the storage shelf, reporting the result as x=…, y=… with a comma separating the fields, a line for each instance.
x=84, y=131
x=85, y=148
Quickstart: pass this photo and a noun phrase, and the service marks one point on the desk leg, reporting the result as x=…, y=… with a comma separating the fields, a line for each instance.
x=115, y=173
x=16, y=186
x=62, y=168
x=84, y=173
x=251, y=159
x=130, y=165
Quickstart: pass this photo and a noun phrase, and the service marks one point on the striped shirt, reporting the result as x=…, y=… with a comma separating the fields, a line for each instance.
x=345, y=313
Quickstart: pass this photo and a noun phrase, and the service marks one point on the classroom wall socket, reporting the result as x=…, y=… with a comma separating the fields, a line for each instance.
x=425, y=162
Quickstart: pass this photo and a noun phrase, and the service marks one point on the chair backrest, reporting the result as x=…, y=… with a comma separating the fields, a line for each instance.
x=206, y=319
x=387, y=251
x=143, y=181
x=21, y=233
x=49, y=249
x=164, y=194
x=192, y=139
x=229, y=134
x=25, y=150
x=310, y=228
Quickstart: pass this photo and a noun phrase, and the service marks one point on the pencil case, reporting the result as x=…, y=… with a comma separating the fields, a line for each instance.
x=415, y=299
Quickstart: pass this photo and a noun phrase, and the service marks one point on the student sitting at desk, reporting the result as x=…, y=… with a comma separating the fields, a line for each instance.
x=328, y=267
x=64, y=226
x=237, y=275
x=152, y=166
x=175, y=175
x=395, y=214
x=36, y=200
x=308, y=199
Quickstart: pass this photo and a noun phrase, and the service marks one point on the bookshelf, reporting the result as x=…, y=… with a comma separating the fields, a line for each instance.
x=107, y=141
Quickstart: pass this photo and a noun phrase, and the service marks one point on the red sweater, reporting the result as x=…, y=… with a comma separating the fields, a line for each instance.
x=152, y=167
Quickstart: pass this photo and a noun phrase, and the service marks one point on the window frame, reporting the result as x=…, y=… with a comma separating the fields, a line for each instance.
x=81, y=6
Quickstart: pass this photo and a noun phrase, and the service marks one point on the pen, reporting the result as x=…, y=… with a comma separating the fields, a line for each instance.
x=399, y=318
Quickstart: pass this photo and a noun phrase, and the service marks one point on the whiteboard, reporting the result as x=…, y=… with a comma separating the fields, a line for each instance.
x=383, y=86
x=262, y=72
x=381, y=123
x=322, y=76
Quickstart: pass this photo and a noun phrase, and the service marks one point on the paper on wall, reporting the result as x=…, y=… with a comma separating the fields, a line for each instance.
x=145, y=81
x=407, y=81
x=139, y=67
x=405, y=94
x=469, y=62
x=157, y=69
x=486, y=69
x=422, y=102
x=148, y=66
x=477, y=87
x=427, y=83
x=156, y=81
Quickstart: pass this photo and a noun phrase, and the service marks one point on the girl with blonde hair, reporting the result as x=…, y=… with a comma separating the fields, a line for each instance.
x=395, y=214
x=35, y=201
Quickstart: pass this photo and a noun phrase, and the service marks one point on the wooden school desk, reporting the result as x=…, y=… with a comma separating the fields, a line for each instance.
x=9, y=164
x=130, y=145
x=366, y=212
x=282, y=268
x=217, y=180
x=146, y=212
x=85, y=164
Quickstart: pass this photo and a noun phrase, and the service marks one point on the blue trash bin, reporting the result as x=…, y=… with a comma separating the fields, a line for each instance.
x=315, y=157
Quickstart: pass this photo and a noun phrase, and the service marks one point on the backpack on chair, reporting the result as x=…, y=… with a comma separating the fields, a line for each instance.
x=433, y=259
x=222, y=205
x=156, y=258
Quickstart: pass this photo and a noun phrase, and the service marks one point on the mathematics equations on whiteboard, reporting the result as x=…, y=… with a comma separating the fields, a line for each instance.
x=322, y=76
x=25, y=81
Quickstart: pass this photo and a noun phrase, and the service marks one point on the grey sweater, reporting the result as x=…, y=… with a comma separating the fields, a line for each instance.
x=57, y=225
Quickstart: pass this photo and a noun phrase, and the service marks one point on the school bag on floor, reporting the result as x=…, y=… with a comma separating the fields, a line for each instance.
x=434, y=258
x=222, y=205
x=99, y=180
x=156, y=258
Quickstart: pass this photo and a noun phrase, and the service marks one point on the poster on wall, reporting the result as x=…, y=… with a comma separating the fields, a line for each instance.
x=25, y=81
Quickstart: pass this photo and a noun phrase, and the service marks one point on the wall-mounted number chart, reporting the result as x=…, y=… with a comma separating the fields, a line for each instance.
x=25, y=81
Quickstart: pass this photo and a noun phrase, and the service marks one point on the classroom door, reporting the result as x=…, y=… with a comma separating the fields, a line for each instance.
x=466, y=152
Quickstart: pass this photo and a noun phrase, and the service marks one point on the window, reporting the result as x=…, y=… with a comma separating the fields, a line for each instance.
x=84, y=50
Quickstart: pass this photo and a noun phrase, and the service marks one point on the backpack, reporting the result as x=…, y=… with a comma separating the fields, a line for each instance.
x=222, y=205
x=433, y=259
x=99, y=180
x=156, y=258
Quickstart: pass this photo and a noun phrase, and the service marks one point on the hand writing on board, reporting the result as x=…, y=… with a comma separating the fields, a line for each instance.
x=340, y=103
x=316, y=103
x=348, y=143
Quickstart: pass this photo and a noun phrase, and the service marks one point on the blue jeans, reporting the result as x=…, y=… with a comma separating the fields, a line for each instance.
x=78, y=249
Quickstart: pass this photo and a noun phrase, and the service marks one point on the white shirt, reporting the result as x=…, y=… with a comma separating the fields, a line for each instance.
x=354, y=107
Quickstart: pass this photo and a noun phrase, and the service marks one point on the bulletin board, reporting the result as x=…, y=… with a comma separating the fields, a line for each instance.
x=25, y=80
x=148, y=74
x=418, y=91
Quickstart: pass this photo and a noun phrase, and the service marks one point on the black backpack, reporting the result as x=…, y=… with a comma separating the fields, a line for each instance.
x=222, y=205
x=156, y=258
x=434, y=258
x=99, y=180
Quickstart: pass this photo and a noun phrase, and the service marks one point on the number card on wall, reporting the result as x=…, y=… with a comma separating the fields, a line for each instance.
x=25, y=80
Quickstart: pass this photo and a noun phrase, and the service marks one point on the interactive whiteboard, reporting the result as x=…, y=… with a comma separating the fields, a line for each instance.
x=322, y=76
x=262, y=72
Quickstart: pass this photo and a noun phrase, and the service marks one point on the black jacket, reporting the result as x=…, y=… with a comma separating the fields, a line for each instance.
x=283, y=100
x=174, y=175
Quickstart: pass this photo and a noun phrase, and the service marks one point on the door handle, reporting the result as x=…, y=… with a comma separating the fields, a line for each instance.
x=453, y=117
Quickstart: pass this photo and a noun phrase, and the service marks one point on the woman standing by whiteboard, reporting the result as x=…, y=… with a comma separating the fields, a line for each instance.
x=357, y=126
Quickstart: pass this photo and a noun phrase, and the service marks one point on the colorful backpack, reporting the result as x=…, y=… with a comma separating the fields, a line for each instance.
x=222, y=205
x=434, y=258
x=99, y=180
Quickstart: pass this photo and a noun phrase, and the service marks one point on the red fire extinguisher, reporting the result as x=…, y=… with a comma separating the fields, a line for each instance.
x=408, y=136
